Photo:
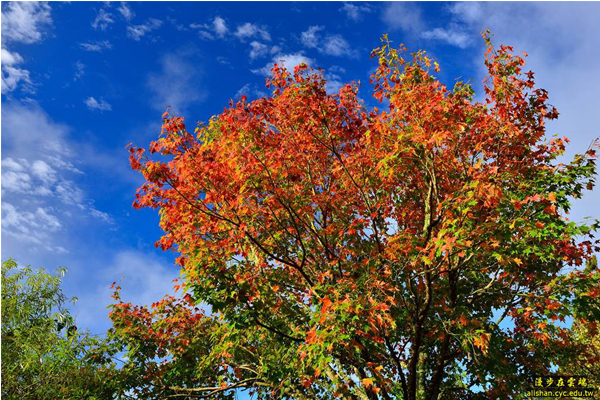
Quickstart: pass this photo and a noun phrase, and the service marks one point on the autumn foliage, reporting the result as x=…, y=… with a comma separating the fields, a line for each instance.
x=418, y=251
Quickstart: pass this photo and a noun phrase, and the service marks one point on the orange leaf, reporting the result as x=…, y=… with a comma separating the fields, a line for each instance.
x=518, y=261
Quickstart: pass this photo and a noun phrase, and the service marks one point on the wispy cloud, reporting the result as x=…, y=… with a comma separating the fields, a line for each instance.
x=407, y=16
x=39, y=180
x=176, y=83
x=103, y=20
x=126, y=11
x=136, y=32
x=457, y=32
x=32, y=227
x=467, y=11
x=355, y=11
x=336, y=45
x=94, y=104
x=258, y=49
x=403, y=15
x=310, y=37
x=331, y=45
x=454, y=36
x=249, y=30
x=96, y=46
x=79, y=70
x=216, y=28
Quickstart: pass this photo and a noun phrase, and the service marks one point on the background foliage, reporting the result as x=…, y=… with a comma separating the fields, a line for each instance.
x=43, y=354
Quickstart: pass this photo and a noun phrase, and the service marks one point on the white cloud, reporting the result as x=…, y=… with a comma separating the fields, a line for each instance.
x=204, y=31
x=467, y=11
x=10, y=164
x=96, y=46
x=310, y=38
x=11, y=59
x=258, y=50
x=331, y=45
x=136, y=32
x=217, y=27
x=37, y=180
x=43, y=171
x=287, y=61
x=176, y=83
x=126, y=11
x=44, y=136
x=33, y=227
x=24, y=21
x=94, y=104
x=403, y=15
x=336, y=45
x=69, y=193
x=100, y=215
x=455, y=37
x=14, y=176
x=220, y=27
x=11, y=75
x=249, y=30
x=79, y=70
x=355, y=11
x=103, y=20
x=456, y=33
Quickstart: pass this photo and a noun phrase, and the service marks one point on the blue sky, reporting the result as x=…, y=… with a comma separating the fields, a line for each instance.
x=80, y=80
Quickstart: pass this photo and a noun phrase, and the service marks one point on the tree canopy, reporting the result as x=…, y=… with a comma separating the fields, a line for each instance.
x=417, y=251
x=43, y=354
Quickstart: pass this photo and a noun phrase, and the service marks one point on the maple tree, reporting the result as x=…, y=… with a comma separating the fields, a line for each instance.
x=420, y=251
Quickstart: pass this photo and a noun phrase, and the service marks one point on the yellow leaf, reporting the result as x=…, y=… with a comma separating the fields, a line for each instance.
x=367, y=382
